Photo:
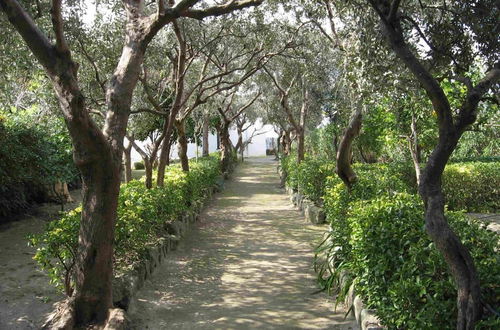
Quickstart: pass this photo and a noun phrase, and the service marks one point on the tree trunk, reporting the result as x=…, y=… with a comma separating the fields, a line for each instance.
x=344, y=154
x=148, y=166
x=415, y=149
x=164, y=160
x=335, y=144
x=239, y=145
x=182, y=144
x=301, y=128
x=278, y=144
x=206, y=131
x=225, y=147
x=451, y=128
x=456, y=255
x=287, y=142
x=300, y=145
x=128, y=162
x=368, y=156
x=101, y=185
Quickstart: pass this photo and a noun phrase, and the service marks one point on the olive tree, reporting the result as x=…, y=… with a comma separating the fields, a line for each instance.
x=98, y=151
x=444, y=29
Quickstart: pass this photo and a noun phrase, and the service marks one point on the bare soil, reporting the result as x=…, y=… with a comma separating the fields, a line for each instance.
x=247, y=264
x=26, y=296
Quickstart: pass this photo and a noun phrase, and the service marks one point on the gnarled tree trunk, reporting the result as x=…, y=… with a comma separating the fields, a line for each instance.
x=451, y=128
x=300, y=144
x=127, y=151
x=182, y=144
x=226, y=147
x=287, y=142
x=148, y=169
x=240, y=145
x=164, y=159
x=344, y=155
x=206, y=132
x=456, y=255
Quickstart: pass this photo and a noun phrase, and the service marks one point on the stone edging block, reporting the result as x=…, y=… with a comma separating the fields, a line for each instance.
x=312, y=213
x=126, y=285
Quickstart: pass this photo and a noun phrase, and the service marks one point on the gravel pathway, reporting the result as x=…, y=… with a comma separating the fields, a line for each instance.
x=26, y=296
x=247, y=264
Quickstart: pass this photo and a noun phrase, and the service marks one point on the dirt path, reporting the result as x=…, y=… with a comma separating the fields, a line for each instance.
x=26, y=296
x=246, y=265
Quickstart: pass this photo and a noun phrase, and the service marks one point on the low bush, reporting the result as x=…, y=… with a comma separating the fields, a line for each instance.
x=374, y=180
x=32, y=159
x=399, y=272
x=472, y=186
x=289, y=168
x=311, y=178
x=139, y=165
x=142, y=218
x=377, y=234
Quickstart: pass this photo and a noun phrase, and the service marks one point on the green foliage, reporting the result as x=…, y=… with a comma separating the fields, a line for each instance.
x=142, y=218
x=311, y=177
x=374, y=180
x=289, y=167
x=202, y=174
x=139, y=165
x=57, y=248
x=472, y=186
x=320, y=142
x=32, y=158
x=399, y=272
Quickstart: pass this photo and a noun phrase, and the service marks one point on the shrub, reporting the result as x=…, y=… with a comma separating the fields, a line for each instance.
x=141, y=221
x=373, y=180
x=31, y=160
x=139, y=165
x=288, y=165
x=311, y=177
x=203, y=174
x=399, y=272
x=472, y=186
x=340, y=202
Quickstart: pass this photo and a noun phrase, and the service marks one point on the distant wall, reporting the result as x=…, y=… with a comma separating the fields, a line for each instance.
x=256, y=148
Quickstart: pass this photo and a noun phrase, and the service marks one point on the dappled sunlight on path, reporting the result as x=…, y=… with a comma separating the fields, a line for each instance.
x=246, y=264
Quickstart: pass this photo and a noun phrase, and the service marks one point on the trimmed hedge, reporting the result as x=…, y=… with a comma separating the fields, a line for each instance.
x=377, y=234
x=31, y=159
x=469, y=186
x=143, y=217
x=399, y=272
x=139, y=165
x=472, y=186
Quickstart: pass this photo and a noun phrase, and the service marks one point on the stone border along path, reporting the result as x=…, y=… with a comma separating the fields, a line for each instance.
x=246, y=264
x=366, y=318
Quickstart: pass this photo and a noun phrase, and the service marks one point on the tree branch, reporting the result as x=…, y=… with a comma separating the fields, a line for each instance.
x=39, y=44
x=219, y=10
x=246, y=106
x=57, y=24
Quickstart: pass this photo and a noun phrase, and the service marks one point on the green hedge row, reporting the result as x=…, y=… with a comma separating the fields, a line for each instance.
x=377, y=234
x=143, y=215
x=468, y=186
x=30, y=160
x=398, y=271
x=472, y=186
